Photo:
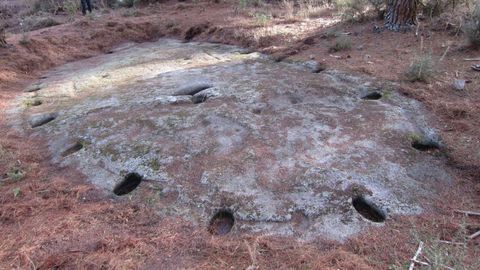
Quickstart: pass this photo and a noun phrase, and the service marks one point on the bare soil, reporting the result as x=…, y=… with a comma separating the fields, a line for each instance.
x=53, y=219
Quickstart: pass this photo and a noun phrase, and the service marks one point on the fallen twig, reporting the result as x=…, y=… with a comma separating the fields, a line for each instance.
x=471, y=59
x=419, y=249
x=445, y=53
x=446, y=267
x=470, y=213
x=252, y=252
x=419, y=262
x=474, y=235
x=451, y=243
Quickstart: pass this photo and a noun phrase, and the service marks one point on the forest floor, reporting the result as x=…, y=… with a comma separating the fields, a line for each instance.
x=51, y=218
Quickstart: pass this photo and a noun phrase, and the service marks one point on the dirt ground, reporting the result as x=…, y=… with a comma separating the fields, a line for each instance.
x=52, y=219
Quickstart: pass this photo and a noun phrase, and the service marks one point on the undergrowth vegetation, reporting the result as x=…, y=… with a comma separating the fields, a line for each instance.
x=473, y=27
x=421, y=68
x=342, y=42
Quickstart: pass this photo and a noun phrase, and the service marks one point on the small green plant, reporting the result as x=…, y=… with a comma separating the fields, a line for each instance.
x=342, y=42
x=262, y=19
x=472, y=29
x=16, y=192
x=421, y=69
x=15, y=174
x=131, y=13
x=387, y=93
x=71, y=7
x=32, y=102
x=154, y=164
x=25, y=40
x=415, y=137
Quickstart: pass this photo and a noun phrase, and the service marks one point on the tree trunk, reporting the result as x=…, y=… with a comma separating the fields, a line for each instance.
x=401, y=14
x=3, y=42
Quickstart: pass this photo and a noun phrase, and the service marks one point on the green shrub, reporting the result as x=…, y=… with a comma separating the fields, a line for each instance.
x=15, y=174
x=342, y=42
x=71, y=7
x=421, y=69
x=472, y=28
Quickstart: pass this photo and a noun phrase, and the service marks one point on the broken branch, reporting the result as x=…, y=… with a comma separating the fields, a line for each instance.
x=474, y=235
x=419, y=249
x=470, y=213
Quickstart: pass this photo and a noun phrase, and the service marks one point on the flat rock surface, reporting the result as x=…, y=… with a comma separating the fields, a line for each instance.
x=283, y=148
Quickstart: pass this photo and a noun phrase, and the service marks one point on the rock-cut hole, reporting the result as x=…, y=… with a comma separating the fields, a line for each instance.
x=221, y=223
x=199, y=98
x=373, y=96
x=129, y=183
x=368, y=209
x=425, y=145
x=72, y=149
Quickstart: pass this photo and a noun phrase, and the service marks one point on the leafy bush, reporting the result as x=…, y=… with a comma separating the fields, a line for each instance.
x=421, y=69
x=473, y=27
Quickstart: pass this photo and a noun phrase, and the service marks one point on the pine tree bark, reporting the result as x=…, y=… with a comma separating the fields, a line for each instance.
x=401, y=14
x=3, y=42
